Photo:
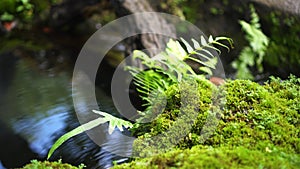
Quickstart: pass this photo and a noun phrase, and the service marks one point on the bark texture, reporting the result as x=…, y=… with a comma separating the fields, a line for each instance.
x=156, y=22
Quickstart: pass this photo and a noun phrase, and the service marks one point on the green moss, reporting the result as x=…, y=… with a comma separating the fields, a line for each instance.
x=50, y=165
x=287, y=94
x=256, y=116
x=220, y=157
x=257, y=124
x=184, y=102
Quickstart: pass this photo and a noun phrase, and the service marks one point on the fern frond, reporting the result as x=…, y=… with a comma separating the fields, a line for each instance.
x=253, y=54
x=74, y=132
x=203, y=55
x=169, y=67
x=113, y=123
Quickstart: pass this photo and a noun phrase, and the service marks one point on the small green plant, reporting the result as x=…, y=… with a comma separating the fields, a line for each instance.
x=165, y=70
x=12, y=9
x=170, y=67
x=251, y=55
x=113, y=123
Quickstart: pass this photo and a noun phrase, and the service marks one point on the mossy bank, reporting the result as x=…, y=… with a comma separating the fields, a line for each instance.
x=240, y=124
x=50, y=165
x=256, y=126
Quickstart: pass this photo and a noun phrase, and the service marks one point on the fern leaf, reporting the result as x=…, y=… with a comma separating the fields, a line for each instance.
x=212, y=62
x=140, y=54
x=229, y=40
x=206, y=70
x=175, y=49
x=113, y=121
x=187, y=45
x=196, y=44
x=203, y=41
x=74, y=132
x=203, y=55
x=214, y=48
x=220, y=44
x=201, y=62
x=210, y=39
x=181, y=51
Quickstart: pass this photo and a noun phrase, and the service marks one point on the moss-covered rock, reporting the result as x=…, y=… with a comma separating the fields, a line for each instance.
x=256, y=116
x=184, y=102
x=256, y=125
x=50, y=165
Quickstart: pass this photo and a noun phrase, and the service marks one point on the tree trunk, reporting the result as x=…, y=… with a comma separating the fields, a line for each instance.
x=143, y=41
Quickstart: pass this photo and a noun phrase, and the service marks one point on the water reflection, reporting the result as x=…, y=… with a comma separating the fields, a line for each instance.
x=36, y=108
x=33, y=107
x=40, y=133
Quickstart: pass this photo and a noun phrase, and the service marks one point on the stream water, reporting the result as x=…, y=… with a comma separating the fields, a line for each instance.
x=36, y=108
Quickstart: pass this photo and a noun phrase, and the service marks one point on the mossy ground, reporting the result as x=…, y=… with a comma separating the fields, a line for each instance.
x=218, y=157
x=258, y=127
x=50, y=165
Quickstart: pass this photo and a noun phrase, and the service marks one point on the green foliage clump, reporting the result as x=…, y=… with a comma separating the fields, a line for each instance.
x=50, y=165
x=25, y=11
x=170, y=67
x=251, y=55
x=12, y=9
x=169, y=71
x=258, y=124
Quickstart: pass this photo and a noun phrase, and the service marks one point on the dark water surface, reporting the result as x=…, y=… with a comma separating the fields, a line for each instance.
x=36, y=108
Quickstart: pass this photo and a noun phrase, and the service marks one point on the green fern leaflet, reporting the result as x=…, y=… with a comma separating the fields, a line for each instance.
x=113, y=123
